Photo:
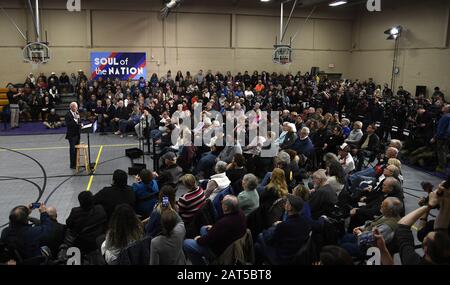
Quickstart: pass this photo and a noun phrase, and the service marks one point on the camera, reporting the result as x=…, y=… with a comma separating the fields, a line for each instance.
x=35, y=205
x=366, y=239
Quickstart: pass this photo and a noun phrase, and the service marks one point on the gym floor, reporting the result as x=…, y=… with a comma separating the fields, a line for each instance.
x=22, y=179
x=19, y=173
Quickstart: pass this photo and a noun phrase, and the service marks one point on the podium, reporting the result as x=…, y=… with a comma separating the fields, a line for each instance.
x=87, y=129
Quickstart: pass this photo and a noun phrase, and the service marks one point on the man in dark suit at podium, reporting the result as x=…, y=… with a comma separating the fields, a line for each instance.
x=73, y=124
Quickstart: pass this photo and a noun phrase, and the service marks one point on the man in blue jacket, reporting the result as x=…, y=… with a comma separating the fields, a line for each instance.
x=304, y=144
x=279, y=244
x=23, y=236
x=442, y=139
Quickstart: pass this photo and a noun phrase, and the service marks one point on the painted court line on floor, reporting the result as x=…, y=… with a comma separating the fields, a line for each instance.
x=95, y=168
x=66, y=147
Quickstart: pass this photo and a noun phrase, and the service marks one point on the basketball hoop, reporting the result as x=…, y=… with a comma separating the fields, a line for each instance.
x=282, y=54
x=36, y=53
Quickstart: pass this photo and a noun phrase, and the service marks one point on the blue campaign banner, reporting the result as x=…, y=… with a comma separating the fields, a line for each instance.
x=122, y=65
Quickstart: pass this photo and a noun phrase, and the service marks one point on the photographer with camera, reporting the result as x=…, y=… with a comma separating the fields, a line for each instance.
x=25, y=237
x=436, y=244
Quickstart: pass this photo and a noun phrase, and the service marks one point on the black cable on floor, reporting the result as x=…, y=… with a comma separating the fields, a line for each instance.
x=112, y=159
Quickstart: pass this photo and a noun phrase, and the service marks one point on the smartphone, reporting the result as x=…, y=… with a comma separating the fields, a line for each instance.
x=35, y=205
x=165, y=202
x=366, y=239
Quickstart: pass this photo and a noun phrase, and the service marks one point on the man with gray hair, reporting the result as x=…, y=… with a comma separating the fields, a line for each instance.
x=396, y=144
x=370, y=207
x=73, y=124
x=304, y=145
x=218, y=181
x=386, y=224
x=249, y=198
x=214, y=239
x=282, y=159
x=323, y=197
x=372, y=172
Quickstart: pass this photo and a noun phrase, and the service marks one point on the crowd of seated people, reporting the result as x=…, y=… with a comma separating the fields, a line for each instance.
x=173, y=222
x=36, y=98
x=333, y=111
x=337, y=172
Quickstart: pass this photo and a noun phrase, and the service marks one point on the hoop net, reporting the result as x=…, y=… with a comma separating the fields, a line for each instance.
x=35, y=64
x=285, y=62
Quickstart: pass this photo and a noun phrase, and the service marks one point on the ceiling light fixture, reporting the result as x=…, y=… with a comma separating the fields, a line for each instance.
x=394, y=32
x=337, y=3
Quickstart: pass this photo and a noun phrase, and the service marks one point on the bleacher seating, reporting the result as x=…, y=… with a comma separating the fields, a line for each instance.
x=3, y=98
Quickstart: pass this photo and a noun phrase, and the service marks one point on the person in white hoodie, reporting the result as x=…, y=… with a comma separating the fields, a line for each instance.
x=218, y=181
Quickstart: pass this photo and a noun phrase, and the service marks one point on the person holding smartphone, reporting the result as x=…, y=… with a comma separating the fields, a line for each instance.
x=167, y=248
x=22, y=235
x=13, y=98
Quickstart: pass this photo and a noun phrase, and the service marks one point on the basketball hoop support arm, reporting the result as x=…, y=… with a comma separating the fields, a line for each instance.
x=36, y=19
x=14, y=23
x=283, y=29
